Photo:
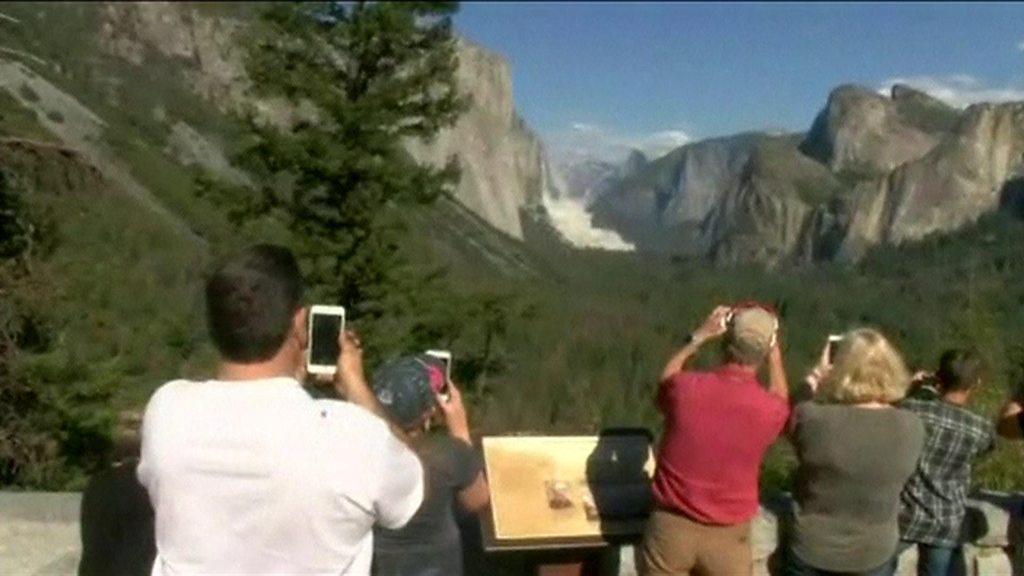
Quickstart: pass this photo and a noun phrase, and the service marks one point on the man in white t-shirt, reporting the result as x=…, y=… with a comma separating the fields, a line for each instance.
x=247, y=473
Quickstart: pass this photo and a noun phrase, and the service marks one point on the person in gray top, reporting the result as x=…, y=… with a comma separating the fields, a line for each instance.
x=855, y=453
x=413, y=390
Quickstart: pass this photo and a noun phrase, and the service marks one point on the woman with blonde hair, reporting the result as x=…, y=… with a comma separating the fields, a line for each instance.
x=855, y=453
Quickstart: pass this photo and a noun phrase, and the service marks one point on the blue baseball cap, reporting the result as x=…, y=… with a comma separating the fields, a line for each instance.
x=406, y=387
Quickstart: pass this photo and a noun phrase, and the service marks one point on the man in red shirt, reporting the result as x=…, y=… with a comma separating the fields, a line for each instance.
x=718, y=426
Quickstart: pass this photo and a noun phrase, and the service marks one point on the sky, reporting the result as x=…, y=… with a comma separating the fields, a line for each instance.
x=603, y=77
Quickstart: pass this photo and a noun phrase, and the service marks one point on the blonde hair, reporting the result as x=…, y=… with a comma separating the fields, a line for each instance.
x=866, y=368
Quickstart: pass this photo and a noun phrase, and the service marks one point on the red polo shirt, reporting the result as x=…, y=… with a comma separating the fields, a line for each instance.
x=718, y=426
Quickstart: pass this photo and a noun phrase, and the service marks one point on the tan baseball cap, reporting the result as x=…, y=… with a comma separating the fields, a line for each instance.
x=752, y=333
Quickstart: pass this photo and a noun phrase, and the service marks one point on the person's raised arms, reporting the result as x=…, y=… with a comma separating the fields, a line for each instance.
x=713, y=327
x=809, y=387
x=476, y=496
x=454, y=411
x=778, y=384
x=1009, y=423
x=350, y=379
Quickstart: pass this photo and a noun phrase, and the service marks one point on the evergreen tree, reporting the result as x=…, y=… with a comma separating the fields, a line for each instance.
x=55, y=424
x=14, y=230
x=362, y=78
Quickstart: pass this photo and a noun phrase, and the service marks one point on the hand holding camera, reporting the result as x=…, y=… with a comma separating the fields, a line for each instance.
x=445, y=357
x=334, y=353
x=349, y=372
x=824, y=366
x=714, y=326
x=455, y=413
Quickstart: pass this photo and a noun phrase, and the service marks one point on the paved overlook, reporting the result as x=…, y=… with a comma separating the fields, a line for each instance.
x=39, y=535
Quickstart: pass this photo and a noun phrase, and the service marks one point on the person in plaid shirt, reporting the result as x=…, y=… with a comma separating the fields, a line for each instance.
x=1010, y=425
x=932, y=502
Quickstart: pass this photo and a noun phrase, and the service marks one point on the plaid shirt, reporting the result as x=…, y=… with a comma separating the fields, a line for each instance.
x=932, y=502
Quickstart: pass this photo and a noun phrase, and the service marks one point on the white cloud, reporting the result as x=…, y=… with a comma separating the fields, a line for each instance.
x=584, y=140
x=584, y=128
x=1020, y=46
x=960, y=90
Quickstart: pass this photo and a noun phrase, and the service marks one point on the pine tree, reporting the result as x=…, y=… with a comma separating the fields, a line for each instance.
x=363, y=77
x=14, y=230
x=55, y=424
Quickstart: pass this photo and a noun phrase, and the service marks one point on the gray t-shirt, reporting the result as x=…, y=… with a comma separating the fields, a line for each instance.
x=429, y=544
x=853, y=464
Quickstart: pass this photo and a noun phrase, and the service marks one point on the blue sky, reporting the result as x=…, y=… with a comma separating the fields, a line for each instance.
x=637, y=72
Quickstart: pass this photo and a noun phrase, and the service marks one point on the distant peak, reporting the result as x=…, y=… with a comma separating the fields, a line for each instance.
x=902, y=91
x=905, y=93
x=636, y=156
x=844, y=91
x=635, y=162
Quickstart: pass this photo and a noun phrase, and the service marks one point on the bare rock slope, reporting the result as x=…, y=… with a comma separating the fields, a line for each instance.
x=500, y=157
x=873, y=169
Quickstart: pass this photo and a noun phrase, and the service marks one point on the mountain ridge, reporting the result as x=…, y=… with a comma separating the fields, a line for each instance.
x=872, y=169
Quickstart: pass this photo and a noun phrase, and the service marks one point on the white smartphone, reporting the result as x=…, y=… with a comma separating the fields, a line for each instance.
x=833, y=343
x=325, y=326
x=446, y=358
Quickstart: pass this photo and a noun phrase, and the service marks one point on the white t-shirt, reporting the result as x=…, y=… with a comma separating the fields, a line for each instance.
x=257, y=477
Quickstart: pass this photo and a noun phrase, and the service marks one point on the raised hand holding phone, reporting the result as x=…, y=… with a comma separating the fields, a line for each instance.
x=350, y=379
x=824, y=366
x=349, y=372
x=830, y=348
x=446, y=358
x=715, y=325
x=455, y=413
x=326, y=324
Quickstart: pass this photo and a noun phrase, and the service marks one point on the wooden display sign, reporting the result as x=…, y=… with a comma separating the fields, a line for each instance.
x=567, y=491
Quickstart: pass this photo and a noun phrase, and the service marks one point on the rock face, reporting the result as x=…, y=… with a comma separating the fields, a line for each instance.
x=863, y=133
x=873, y=169
x=771, y=213
x=588, y=179
x=501, y=159
x=962, y=178
x=667, y=199
x=205, y=45
x=585, y=180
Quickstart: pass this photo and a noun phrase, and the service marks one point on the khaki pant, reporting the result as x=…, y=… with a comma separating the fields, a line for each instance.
x=674, y=544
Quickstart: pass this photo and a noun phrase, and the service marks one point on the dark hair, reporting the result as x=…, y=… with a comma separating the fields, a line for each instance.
x=250, y=302
x=960, y=370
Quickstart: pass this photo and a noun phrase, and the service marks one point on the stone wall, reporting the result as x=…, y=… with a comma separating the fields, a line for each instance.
x=39, y=535
x=987, y=530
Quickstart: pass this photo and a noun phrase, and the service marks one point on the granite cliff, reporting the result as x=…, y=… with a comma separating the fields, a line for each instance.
x=501, y=159
x=872, y=169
